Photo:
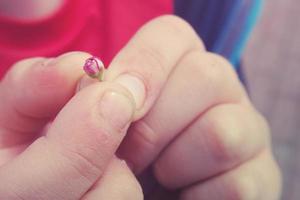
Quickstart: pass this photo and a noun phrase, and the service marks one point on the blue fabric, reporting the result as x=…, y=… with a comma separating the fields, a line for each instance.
x=224, y=25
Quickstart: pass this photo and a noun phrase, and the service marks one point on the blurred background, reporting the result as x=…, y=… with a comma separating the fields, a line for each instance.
x=272, y=68
x=271, y=64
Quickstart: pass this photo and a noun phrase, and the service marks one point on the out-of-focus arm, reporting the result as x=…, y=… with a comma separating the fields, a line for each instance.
x=29, y=10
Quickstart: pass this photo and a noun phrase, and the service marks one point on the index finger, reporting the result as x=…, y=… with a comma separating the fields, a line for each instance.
x=144, y=64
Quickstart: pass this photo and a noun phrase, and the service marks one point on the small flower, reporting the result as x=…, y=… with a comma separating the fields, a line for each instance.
x=94, y=67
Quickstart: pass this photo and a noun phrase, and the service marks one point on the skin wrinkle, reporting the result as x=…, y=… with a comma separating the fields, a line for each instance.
x=13, y=130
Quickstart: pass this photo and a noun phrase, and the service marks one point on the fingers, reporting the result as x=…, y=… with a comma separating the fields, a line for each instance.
x=77, y=148
x=33, y=91
x=222, y=138
x=117, y=183
x=200, y=81
x=258, y=179
x=145, y=63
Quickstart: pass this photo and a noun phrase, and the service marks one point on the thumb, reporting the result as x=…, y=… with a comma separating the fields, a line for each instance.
x=80, y=143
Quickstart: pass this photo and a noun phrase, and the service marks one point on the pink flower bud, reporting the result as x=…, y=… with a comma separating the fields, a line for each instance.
x=94, y=67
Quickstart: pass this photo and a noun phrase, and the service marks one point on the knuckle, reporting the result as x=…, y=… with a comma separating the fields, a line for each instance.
x=81, y=163
x=177, y=26
x=244, y=187
x=148, y=137
x=215, y=73
x=215, y=68
x=16, y=73
x=258, y=179
x=146, y=143
x=174, y=22
x=154, y=58
x=226, y=140
x=219, y=68
x=144, y=54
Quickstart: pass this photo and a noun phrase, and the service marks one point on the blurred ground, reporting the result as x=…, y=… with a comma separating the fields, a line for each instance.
x=272, y=67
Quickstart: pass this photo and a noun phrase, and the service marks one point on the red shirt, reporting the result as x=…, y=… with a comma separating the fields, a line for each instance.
x=100, y=27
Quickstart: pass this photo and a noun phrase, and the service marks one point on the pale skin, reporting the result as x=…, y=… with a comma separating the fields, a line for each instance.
x=191, y=122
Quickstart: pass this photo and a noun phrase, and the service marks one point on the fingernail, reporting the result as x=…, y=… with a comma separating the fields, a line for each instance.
x=117, y=109
x=135, y=86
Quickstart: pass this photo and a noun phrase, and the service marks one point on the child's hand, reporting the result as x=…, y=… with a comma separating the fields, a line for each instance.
x=77, y=147
x=200, y=133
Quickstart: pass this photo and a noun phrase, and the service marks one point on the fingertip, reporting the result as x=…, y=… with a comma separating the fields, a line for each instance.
x=42, y=86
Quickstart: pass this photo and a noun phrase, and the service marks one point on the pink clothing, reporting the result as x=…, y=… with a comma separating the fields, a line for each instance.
x=100, y=27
